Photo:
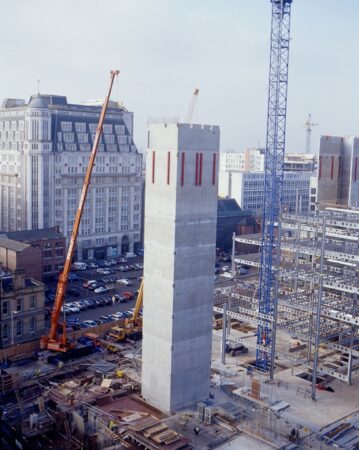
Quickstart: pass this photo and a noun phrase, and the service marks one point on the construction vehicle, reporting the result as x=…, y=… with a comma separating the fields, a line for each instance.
x=131, y=327
x=53, y=341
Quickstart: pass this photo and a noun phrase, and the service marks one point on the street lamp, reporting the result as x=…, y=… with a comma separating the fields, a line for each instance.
x=12, y=326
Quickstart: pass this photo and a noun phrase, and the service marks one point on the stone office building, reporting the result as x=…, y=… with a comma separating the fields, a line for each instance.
x=45, y=146
x=22, y=312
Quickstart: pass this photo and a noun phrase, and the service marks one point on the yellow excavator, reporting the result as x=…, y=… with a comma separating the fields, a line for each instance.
x=130, y=328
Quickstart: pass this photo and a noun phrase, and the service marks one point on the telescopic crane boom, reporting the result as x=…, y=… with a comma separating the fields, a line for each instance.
x=192, y=106
x=52, y=341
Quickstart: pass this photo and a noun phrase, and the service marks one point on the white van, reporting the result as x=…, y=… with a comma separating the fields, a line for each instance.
x=79, y=266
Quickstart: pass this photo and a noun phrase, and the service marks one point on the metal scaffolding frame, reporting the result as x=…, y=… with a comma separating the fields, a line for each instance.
x=317, y=293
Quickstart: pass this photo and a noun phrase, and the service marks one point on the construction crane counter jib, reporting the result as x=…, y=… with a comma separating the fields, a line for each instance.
x=52, y=341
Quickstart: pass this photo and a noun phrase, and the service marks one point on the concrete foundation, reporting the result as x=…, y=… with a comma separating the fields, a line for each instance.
x=180, y=236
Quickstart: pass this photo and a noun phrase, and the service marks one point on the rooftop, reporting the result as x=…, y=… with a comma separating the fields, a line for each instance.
x=32, y=235
x=12, y=245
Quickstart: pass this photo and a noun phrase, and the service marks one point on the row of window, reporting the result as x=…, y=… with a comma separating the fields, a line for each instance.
x=5, y=307
x=81, y=127
x=18, y=329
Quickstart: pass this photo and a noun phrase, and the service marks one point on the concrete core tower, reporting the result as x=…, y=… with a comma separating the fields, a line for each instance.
x=180, y=236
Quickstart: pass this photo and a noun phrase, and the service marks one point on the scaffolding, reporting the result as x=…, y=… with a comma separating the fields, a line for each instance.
x=317, y=293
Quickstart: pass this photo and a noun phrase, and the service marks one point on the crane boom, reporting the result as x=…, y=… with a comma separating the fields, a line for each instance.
x=191, y=106
x=51, y=341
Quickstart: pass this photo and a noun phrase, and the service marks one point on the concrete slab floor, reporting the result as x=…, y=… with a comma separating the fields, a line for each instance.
x=329, y=406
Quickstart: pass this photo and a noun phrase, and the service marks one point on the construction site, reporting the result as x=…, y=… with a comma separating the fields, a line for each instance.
x=267, y=357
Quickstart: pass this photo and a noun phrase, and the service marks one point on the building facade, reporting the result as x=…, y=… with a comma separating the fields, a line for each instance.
x=180, y=241
x=22, y=312
x=17, y=255
x=338, y=171
x=247, y=189
x=45, y=146
x=51, y=243
x=252, y=160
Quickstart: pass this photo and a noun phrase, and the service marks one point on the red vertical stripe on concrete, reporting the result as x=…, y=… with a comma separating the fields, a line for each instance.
x=200, y=169
x=339, y=166
x=320, y=168
x=356, y=168
x=182, y=168
x=214, y=169
x=196, y=178
x=153, y=165
x=332, y=169
x=168, y=167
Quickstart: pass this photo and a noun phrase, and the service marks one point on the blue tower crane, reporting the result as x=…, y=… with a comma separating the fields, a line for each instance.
x=273, y=179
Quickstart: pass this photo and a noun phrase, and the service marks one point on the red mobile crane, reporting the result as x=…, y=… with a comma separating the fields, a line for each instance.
x=53, y=341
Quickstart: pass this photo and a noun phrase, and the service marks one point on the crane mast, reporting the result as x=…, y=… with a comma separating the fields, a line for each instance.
x=51, y=341
x=273, y=183
x=308, y=131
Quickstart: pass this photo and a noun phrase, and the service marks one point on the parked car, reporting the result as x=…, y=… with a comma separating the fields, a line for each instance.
x=73, y=277
x=73, y=291
x=93, y=266
x=122, y=260
x=93, y=286
x=106, y=318
x=89, y=323
x=101, y=290
x=108, y=300
x=118, y=298
x=124, y=281
x=73, y=308
x=81, y=305
x=79, y=266
x=129, y=295
x=87, y=283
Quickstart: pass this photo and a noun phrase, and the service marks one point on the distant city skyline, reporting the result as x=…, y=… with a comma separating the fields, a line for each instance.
x=164, y=49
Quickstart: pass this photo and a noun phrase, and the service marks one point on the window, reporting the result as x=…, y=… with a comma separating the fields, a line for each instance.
x=32, y=326
x=59, y=252
x=33, y=302
x=66, y=126
x=80, y=127
x=5, y=308
x=5, y=332
x=47, y=268
x=19, y=328
x=47, y=254
x=19, y=305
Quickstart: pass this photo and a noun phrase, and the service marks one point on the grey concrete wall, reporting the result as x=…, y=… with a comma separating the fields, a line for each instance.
x=180, y=236
x=353, y=195
x=329, y=187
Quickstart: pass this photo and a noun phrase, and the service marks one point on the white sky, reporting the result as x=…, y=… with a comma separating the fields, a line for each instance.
x=166, y=48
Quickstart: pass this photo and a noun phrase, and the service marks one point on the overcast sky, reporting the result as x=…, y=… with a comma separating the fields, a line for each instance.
x=166, y=48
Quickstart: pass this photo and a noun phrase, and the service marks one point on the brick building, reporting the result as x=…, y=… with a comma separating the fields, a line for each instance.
x=22, y=312
x=51, y=243
x=18, y=255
